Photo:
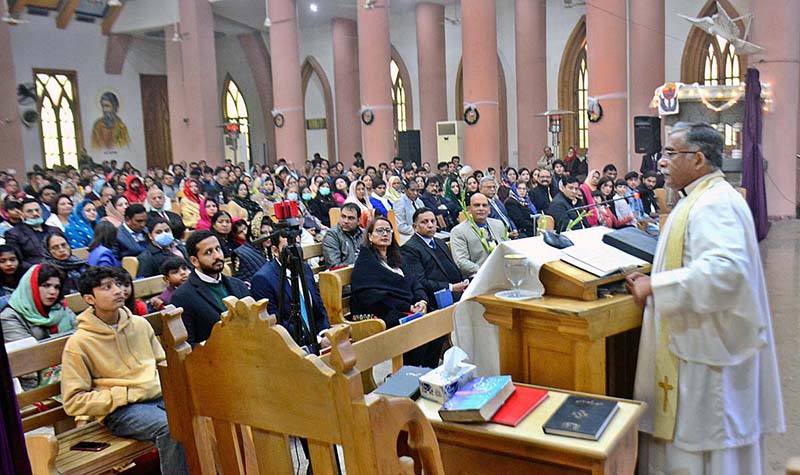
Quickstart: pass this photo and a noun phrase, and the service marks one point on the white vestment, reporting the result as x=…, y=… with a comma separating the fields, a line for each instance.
x=720, y=330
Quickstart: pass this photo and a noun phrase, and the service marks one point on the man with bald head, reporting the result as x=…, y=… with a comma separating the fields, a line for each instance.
x=472, y=241
x=156, y=206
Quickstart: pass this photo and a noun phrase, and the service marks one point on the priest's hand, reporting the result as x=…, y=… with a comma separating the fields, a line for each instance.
x=638, y=286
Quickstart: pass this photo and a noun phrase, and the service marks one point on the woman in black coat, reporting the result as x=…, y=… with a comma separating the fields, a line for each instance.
x=520, y=210
x=381, y=288
x=162, y=245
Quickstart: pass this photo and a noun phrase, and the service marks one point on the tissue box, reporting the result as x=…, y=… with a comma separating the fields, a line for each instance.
x=439, y=387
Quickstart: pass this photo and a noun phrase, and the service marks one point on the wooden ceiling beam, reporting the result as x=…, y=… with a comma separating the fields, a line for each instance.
x=67, y=13
x=18, y=7
x=111, y=17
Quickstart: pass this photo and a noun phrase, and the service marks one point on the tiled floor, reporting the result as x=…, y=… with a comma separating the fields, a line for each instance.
x=781, y=255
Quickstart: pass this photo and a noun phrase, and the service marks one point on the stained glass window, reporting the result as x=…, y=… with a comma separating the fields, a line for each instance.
x=398, y=99
x=235, y=110
x=58, y=109
x=722, y=65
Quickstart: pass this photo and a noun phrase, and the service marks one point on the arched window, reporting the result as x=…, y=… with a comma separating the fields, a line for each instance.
x=58, y=109
x=581, y=89
x=573, y=91
x=721, y=65
x=235, y=110
x=398, y=98
x=711, y=60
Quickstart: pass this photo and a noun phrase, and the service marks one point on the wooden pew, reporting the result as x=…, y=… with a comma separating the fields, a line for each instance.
x=131, y=264
x=51, y=455
x=311, y=251
x=333, y=214
x=549, y=222
x=228, y=401
x=142, y=289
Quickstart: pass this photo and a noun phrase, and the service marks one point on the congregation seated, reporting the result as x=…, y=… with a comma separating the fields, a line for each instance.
x=266, y=284
x=101, y=249
x=59, y=254
x=201, y=296
x=622, y=208
x=542, y=195
x=28, y=235
x=520, y=209
x=472, y=240
x=131, y=236
x=428, y=259
x=380, y=202
x=156, y=205
x=358, y=195
x=508, y=179
x=119, y=387
x=135, y=190
x=321, y=204
x=10, y=272
x=241, y=201
x=222, y=227
x=115, y=210
x=208, y=208
x=62, y=209
x=80, y=229
x=162, y=245
x=382, y=288
x=588, y=186
x=562, y=209
x=647, y=195
x=433, y=200
x=190, y=203
x=246, y=259
x=342, y=242
x=404, y=209
x=175, y=272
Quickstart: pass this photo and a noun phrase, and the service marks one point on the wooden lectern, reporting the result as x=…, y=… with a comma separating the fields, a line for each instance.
x=571, y=338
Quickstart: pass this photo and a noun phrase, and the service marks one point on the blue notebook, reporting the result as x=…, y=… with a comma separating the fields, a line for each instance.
x=478, y=400
x=444, y=298
x=581, y=417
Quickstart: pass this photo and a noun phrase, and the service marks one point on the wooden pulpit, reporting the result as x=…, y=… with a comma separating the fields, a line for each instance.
x=576, y=337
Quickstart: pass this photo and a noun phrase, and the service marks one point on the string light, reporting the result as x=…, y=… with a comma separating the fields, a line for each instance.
x=731, y=94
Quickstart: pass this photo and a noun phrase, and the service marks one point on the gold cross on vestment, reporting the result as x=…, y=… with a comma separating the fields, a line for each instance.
x=666, y=387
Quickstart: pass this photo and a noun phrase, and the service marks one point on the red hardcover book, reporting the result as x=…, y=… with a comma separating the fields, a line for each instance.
x=521, y=403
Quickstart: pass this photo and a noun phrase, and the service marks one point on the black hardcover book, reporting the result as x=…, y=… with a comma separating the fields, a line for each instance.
x=404, y=383
x=633, y=241
x=581, y=417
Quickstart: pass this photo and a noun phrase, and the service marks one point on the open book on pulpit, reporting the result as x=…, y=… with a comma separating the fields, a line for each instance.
x=601, y=259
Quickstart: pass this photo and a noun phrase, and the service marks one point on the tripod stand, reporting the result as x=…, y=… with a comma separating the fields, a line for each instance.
x=291, y=260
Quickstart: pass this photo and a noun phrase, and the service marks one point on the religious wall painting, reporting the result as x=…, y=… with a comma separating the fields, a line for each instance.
x=109, y=132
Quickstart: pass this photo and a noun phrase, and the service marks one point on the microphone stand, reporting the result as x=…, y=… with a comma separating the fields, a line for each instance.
x=557, y=240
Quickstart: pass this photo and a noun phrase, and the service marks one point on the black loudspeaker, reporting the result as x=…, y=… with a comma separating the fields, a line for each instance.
x=408, y=147
x=647, y=134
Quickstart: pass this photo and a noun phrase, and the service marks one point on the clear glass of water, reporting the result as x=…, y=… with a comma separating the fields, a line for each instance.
x=516, y=269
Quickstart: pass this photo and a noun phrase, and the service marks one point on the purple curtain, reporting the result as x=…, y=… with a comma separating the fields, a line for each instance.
x=752, y=155
x=13, y=455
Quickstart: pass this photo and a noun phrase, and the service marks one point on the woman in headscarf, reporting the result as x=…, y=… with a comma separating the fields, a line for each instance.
x=135, y=190
x=115, y=210
x=358, y=195
x=208, y=208
x=242, y=199
x=190, y=203
x=393, y=190
x=520, y=209
x=80, y=230
x=507, y=181
x=587, y=188
x=59, y=253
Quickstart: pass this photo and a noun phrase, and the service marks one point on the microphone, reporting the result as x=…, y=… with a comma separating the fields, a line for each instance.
x=555, y=239
x=580, y=208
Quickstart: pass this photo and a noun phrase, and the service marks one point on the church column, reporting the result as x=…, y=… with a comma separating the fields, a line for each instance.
x=347, y=93
x=530, y=28
x=479, y=47
x=605, y=45
x=775, y=27
x=287, y=85
x=432, y=75
x=10, y=125
x=257, y=56
x=374, y=57
x=192, y=86
x=646, y=62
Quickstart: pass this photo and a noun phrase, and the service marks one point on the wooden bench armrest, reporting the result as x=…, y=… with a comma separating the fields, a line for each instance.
x=793, y=466
x=42, y=453
x=366, y=328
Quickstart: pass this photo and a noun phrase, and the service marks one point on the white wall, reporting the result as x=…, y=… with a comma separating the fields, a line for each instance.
x=82, y=48
x=231, y=61
x=317, y=139
x=318, y=42
x=560, y=23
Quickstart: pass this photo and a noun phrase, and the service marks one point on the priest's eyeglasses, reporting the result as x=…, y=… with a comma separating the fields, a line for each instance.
x=670, y=154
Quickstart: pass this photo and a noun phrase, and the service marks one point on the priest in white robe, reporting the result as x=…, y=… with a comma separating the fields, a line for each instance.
x=707, y=366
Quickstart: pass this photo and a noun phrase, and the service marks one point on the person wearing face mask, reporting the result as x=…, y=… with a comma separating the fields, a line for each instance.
x=321, y=204
x=35, y=310
x=28, y=236
x=162, y=245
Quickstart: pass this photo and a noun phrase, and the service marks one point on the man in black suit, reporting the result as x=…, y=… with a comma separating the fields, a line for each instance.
x=132, y=235
x=562, y=208
x=201, y=296
x=155, y=201
x=542, y=195
x=429, y=260
x=27, y=236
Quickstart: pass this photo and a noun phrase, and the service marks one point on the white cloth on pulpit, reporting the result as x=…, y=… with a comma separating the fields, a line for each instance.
x=729, y=391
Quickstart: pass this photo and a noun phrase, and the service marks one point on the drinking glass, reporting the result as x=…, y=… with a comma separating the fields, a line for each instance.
x=517, y=269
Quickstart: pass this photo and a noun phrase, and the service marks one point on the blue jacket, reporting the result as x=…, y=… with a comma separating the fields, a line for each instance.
x=265, y=285
x=127, y=245
x=103, y=257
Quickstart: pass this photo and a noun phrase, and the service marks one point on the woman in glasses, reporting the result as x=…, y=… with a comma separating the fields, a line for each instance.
x=380, y=287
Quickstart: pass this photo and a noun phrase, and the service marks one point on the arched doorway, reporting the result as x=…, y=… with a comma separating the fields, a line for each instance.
x=573, y=91
x=502, y=107
x=402, y=104
x=318, y=104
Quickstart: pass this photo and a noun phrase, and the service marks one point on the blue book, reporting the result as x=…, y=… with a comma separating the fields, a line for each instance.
x=444, y=298
x=581, y=417
x=404, y=383
x=478, y=400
